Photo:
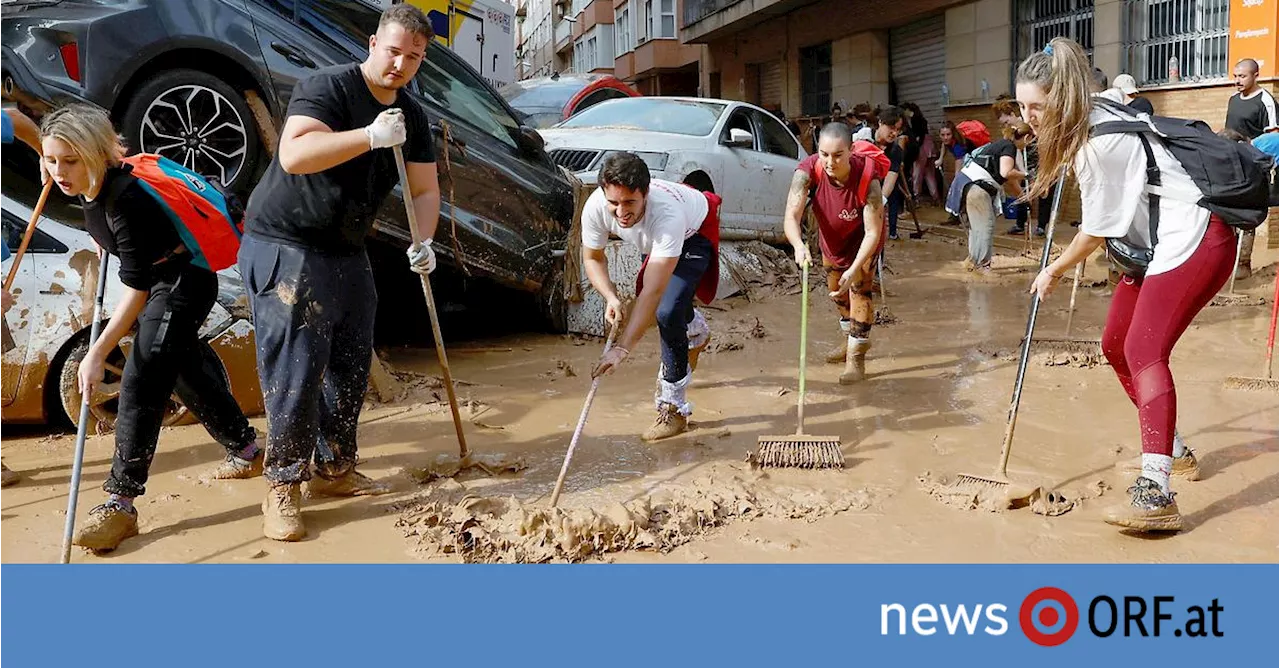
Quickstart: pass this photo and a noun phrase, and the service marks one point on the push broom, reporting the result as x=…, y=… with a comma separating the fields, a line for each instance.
x=1261, y=384
x=800, y=450
x=998, y=481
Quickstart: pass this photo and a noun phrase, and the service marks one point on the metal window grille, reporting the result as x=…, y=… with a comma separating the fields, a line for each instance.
x=1176, y=40
x=1039, y=21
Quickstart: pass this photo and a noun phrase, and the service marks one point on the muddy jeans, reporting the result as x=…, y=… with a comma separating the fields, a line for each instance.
x=314, y=318
x=860, y=310
x=675, y=311
x=166, y=357
x=982, y=225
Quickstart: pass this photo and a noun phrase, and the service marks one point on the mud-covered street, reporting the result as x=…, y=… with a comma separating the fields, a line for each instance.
x=934, y=404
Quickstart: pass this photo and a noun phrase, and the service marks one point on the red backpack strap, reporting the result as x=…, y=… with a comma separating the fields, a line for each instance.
x=868, y=174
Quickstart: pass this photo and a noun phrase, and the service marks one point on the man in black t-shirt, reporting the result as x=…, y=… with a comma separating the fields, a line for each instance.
x=304, y=263
x=1251, y=112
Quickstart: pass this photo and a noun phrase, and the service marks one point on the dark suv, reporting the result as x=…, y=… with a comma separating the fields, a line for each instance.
x=207, y=82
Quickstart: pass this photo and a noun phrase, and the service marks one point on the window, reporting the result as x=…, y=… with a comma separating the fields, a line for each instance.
x=622, y=30
x=1175, y=40
x=682, y=117
x=815, y=80
x=596, y=97
x=41, y=241
x=666, y=26
x=345, y=24
x=1042, y=20
x=451, y=85
x=646, y=22
x=740, y=120
x=591, y=53
x=777, y=139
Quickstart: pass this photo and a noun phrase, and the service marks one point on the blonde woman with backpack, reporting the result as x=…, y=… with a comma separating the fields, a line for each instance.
x=1150, y=309
x=166, y=295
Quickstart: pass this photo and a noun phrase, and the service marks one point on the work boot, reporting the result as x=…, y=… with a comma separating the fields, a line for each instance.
x=10, y=476
x=668, y=423
x=282, y=512
x=235, y=468
x=1149, y=509
x=351, y=483
x=840, y=352
x=109, y=524
x=1186, y=466
x=699, y=334
x=858, y=348
x=1017, y=230
x=673, y=409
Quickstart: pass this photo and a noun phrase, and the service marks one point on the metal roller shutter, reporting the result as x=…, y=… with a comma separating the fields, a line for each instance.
x=917, y=63
x=771, y=83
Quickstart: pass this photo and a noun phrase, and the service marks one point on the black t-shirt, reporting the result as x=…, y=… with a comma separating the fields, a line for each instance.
x=894, y=153
x=1142, y=104
x=129, y=223
x=993, y=152
x=332, y=211
x=1252, y=116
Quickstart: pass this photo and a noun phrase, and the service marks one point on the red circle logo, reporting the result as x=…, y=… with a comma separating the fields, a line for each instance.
x=1049, y=616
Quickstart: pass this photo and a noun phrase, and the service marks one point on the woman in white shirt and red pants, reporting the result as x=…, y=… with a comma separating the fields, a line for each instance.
x=1191, y=261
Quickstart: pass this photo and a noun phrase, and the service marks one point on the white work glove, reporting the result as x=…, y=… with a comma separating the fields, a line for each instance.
x=386, y=130
x=422, y=258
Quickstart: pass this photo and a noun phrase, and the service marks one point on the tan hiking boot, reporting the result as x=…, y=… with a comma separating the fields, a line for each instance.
x=839, y=352
x=1149, y=509
x=10, y=476
x=668, y=423
x=352, y=483
x=282, y=512
x=857, y=369
x=235, y=468
x=109, y=524
x=1186, y=466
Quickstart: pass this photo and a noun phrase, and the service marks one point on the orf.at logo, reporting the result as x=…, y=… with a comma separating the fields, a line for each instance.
x=1049, y=616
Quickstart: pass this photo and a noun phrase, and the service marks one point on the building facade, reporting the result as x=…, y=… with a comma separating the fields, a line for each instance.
x=637, y=41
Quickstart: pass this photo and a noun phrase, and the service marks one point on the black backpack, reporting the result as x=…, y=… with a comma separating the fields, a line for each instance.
x=1233, y=177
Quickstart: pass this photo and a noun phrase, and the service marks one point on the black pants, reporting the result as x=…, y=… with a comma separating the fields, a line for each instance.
x=1044, y=209
x=166, y=357
x=313, y=315
x=675, y=310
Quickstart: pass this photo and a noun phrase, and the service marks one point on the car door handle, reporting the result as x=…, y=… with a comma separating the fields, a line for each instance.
x=293, y=55
x=767, y=168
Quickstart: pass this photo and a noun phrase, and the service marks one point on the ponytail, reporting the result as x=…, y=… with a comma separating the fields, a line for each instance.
x=1063, y=72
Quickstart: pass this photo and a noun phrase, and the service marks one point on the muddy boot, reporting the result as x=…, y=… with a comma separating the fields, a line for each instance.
x=11, y=477
x=856, y=369
x=699, y=336
x=352, y=483
x=1149, y=509
x=840, y=352
x=1244, y=268
x=282, y=512
x=109, y=524
x=235, y=468
x=1186, y=467
x=673, y=410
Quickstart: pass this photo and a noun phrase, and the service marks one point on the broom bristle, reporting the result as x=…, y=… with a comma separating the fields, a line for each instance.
x=965, y=480
x=1251, y=384
x=806, y=452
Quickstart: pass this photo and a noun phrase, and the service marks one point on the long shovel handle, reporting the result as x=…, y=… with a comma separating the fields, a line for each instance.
x=412, y=217
x=82, y=431
x=582, y=423
x=1271, y=330
x=1075, y=285
x=26, y=236
x=1002, y=469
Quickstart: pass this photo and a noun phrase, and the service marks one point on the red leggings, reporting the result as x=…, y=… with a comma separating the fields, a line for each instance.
x=1147, y=318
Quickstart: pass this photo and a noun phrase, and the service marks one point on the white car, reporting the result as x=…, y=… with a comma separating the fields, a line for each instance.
x=736, y=150
x=46, y=333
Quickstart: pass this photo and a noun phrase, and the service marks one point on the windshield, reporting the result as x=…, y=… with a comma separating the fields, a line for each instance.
x=531, y=97
x=682, y=117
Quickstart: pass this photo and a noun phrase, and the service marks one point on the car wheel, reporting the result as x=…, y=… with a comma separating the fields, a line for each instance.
x=198, y=121
x=106, y=397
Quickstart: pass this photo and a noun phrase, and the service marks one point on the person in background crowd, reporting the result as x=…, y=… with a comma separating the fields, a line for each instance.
x=1126, y=84
x=1251, y=111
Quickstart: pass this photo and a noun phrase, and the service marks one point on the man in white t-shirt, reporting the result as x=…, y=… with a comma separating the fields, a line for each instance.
x=677, y=229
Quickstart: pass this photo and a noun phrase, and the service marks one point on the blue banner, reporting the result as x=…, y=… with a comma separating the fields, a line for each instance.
x=607, y=615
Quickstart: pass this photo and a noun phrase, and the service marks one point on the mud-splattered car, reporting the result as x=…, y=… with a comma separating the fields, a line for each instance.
x=46, y=333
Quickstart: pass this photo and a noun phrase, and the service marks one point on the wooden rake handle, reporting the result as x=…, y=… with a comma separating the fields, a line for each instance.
x=582, y=421
x=26, y=236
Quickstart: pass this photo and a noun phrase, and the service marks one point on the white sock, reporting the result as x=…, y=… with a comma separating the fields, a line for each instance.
x=1179, y=445
x=1157, y=469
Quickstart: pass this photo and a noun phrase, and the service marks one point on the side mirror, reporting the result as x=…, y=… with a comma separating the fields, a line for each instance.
x=739, y=139
x=530, y=141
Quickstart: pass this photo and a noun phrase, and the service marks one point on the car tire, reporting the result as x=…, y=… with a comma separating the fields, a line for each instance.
x=103, y=412
x=224, y=145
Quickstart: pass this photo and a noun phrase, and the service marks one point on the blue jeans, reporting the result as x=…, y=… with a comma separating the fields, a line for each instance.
x=313, y=316
x=675, y=311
